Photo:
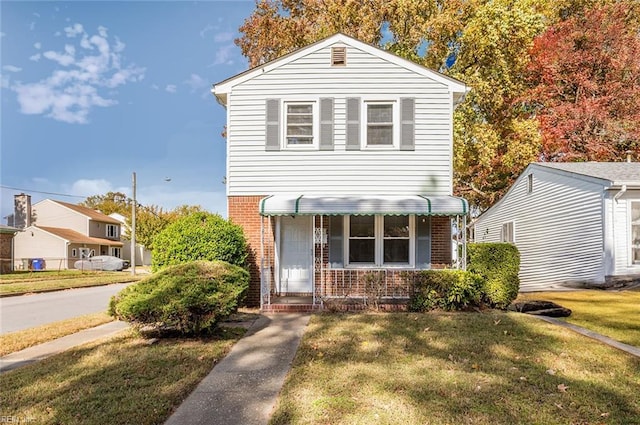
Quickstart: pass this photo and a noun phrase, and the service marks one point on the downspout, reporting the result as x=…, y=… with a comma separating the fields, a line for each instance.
x=620, y=193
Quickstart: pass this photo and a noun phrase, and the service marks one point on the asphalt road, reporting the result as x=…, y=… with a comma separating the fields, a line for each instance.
x=27, y=311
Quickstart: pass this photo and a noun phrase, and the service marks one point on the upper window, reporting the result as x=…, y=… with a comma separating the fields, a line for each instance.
x=299, y=124
x=112, y=231
x=379, y=124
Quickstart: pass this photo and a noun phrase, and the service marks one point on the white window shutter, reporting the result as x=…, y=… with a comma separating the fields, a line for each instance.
x=272, y=133
x=407, y=124
x=326, y=124
x=353, y=123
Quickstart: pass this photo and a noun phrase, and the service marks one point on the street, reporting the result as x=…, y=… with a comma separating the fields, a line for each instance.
x=27, y=311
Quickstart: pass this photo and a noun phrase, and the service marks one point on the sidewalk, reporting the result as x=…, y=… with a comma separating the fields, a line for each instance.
x=42, y=351
x=242, y=389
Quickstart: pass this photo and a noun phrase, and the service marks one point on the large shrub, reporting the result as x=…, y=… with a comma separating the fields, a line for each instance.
x=498, y=264
x=445, y=289
x=199, y=236
x=187, y=298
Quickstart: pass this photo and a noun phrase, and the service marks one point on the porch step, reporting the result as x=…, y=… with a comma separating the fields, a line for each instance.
x=290, y=308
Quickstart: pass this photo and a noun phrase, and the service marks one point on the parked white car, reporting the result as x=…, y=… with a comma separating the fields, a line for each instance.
x=102, y=262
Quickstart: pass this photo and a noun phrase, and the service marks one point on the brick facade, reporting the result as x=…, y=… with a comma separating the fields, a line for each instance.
x=5, y=252
x=244, y=211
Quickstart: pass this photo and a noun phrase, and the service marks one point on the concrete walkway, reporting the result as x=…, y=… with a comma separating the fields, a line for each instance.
x=42, y=351
x=242, y=389
x=634, y=351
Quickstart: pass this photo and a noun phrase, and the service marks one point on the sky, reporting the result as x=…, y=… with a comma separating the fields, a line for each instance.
x=92, y=91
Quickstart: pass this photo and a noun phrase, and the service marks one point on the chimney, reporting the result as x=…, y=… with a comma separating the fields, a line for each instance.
x=22, y=214
x=629, y=152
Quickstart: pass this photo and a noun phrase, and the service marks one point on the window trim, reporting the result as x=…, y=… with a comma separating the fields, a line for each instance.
x=395, y=122
x=379, y=245
x=631, y=225
x=116, y=233
x=503, y=233
x=315, y=122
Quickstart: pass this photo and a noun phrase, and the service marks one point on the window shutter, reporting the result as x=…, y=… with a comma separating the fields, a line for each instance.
x=407, y=126
x=272, y=133
x=326, y=124
x=353, y=123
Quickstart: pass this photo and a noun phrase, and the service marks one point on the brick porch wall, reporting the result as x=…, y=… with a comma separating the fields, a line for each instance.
x=244, y=211
x=441, y=240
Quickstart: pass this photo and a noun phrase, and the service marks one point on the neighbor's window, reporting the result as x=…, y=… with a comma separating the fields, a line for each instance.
x=508, y=232
x=379, y=124
x=530, y=183
x=635, y=232
x=116, y=252
x=299, y=124
x=74, y=253
x=112, y=231
x=85, y=252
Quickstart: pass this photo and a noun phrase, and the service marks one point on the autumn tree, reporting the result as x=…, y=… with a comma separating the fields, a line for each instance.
x=150, y=220
x=585, y=85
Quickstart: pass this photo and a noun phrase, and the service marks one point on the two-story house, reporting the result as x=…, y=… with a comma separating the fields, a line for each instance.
x=339, y=163
x=61, y=233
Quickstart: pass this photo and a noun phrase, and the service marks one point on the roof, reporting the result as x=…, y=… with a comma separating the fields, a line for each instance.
x=616, y=173
x=77, y=237
x=8, y=229
x=88, y=212
x=296, y=204
x=221, y=89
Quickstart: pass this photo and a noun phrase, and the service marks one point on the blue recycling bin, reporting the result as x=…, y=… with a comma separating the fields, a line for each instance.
x=38, y=264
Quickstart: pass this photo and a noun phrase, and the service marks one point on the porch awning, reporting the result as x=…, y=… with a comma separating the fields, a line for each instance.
x=362, y=205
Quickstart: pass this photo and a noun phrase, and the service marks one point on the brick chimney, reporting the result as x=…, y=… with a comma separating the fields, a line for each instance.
x=22, y=211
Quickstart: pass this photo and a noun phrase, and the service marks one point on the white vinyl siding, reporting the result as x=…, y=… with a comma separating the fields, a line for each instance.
x=253, y=170
x=620, y=231
x=559, y=229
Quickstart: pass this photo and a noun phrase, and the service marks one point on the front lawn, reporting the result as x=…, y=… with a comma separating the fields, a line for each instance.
x=615, y=314
x=27, y=282
x=125, y=380
x=455, y=368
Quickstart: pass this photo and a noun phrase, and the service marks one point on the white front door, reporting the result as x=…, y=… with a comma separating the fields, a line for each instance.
x=296, y=257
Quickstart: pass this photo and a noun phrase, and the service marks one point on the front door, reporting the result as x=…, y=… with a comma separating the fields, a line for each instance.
x=296, y=249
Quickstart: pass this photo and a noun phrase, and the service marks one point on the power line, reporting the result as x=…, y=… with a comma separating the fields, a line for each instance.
x=39, y=191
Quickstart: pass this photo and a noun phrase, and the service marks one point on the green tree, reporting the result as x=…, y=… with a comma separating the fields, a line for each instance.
x=109, y=203
x=199, y=236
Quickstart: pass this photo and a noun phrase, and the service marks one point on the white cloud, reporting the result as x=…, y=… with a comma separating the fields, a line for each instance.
x=197, y=84
x=11, y=68
x=223, y=37
x=205, y=30
x=224, y=55
x=37, y=45
x=32, y=26
x=4, y=81
x=90, y=187
x=171, y=88
x=155, y=87
x=74, y=30
x=70, y=92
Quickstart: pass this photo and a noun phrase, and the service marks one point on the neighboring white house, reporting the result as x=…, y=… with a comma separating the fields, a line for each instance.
x=573, y=223
x=61, y=233
x=143, y=255
x=339, y=163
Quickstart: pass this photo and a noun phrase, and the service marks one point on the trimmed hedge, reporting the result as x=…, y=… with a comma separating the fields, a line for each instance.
x=199, y=236
x=187, y=299
x=445, y=289
x=498, y=264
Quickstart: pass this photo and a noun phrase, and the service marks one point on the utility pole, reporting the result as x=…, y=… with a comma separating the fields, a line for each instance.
x=133, y=228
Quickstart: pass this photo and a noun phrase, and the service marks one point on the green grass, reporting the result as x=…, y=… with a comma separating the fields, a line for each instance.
x=455, y=368
x=27, y=282
x=122, y=381
x=615, y=314
x=19, y=340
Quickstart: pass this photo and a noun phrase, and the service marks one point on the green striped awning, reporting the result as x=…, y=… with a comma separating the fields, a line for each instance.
x=296, y=204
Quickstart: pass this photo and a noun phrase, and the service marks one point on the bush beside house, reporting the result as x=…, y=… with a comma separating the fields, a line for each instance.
x=499, y=265
x=199, y=236
x=491, y=279
x=187, y=299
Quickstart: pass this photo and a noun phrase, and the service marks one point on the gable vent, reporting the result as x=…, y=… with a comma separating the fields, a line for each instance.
x=338, y=56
